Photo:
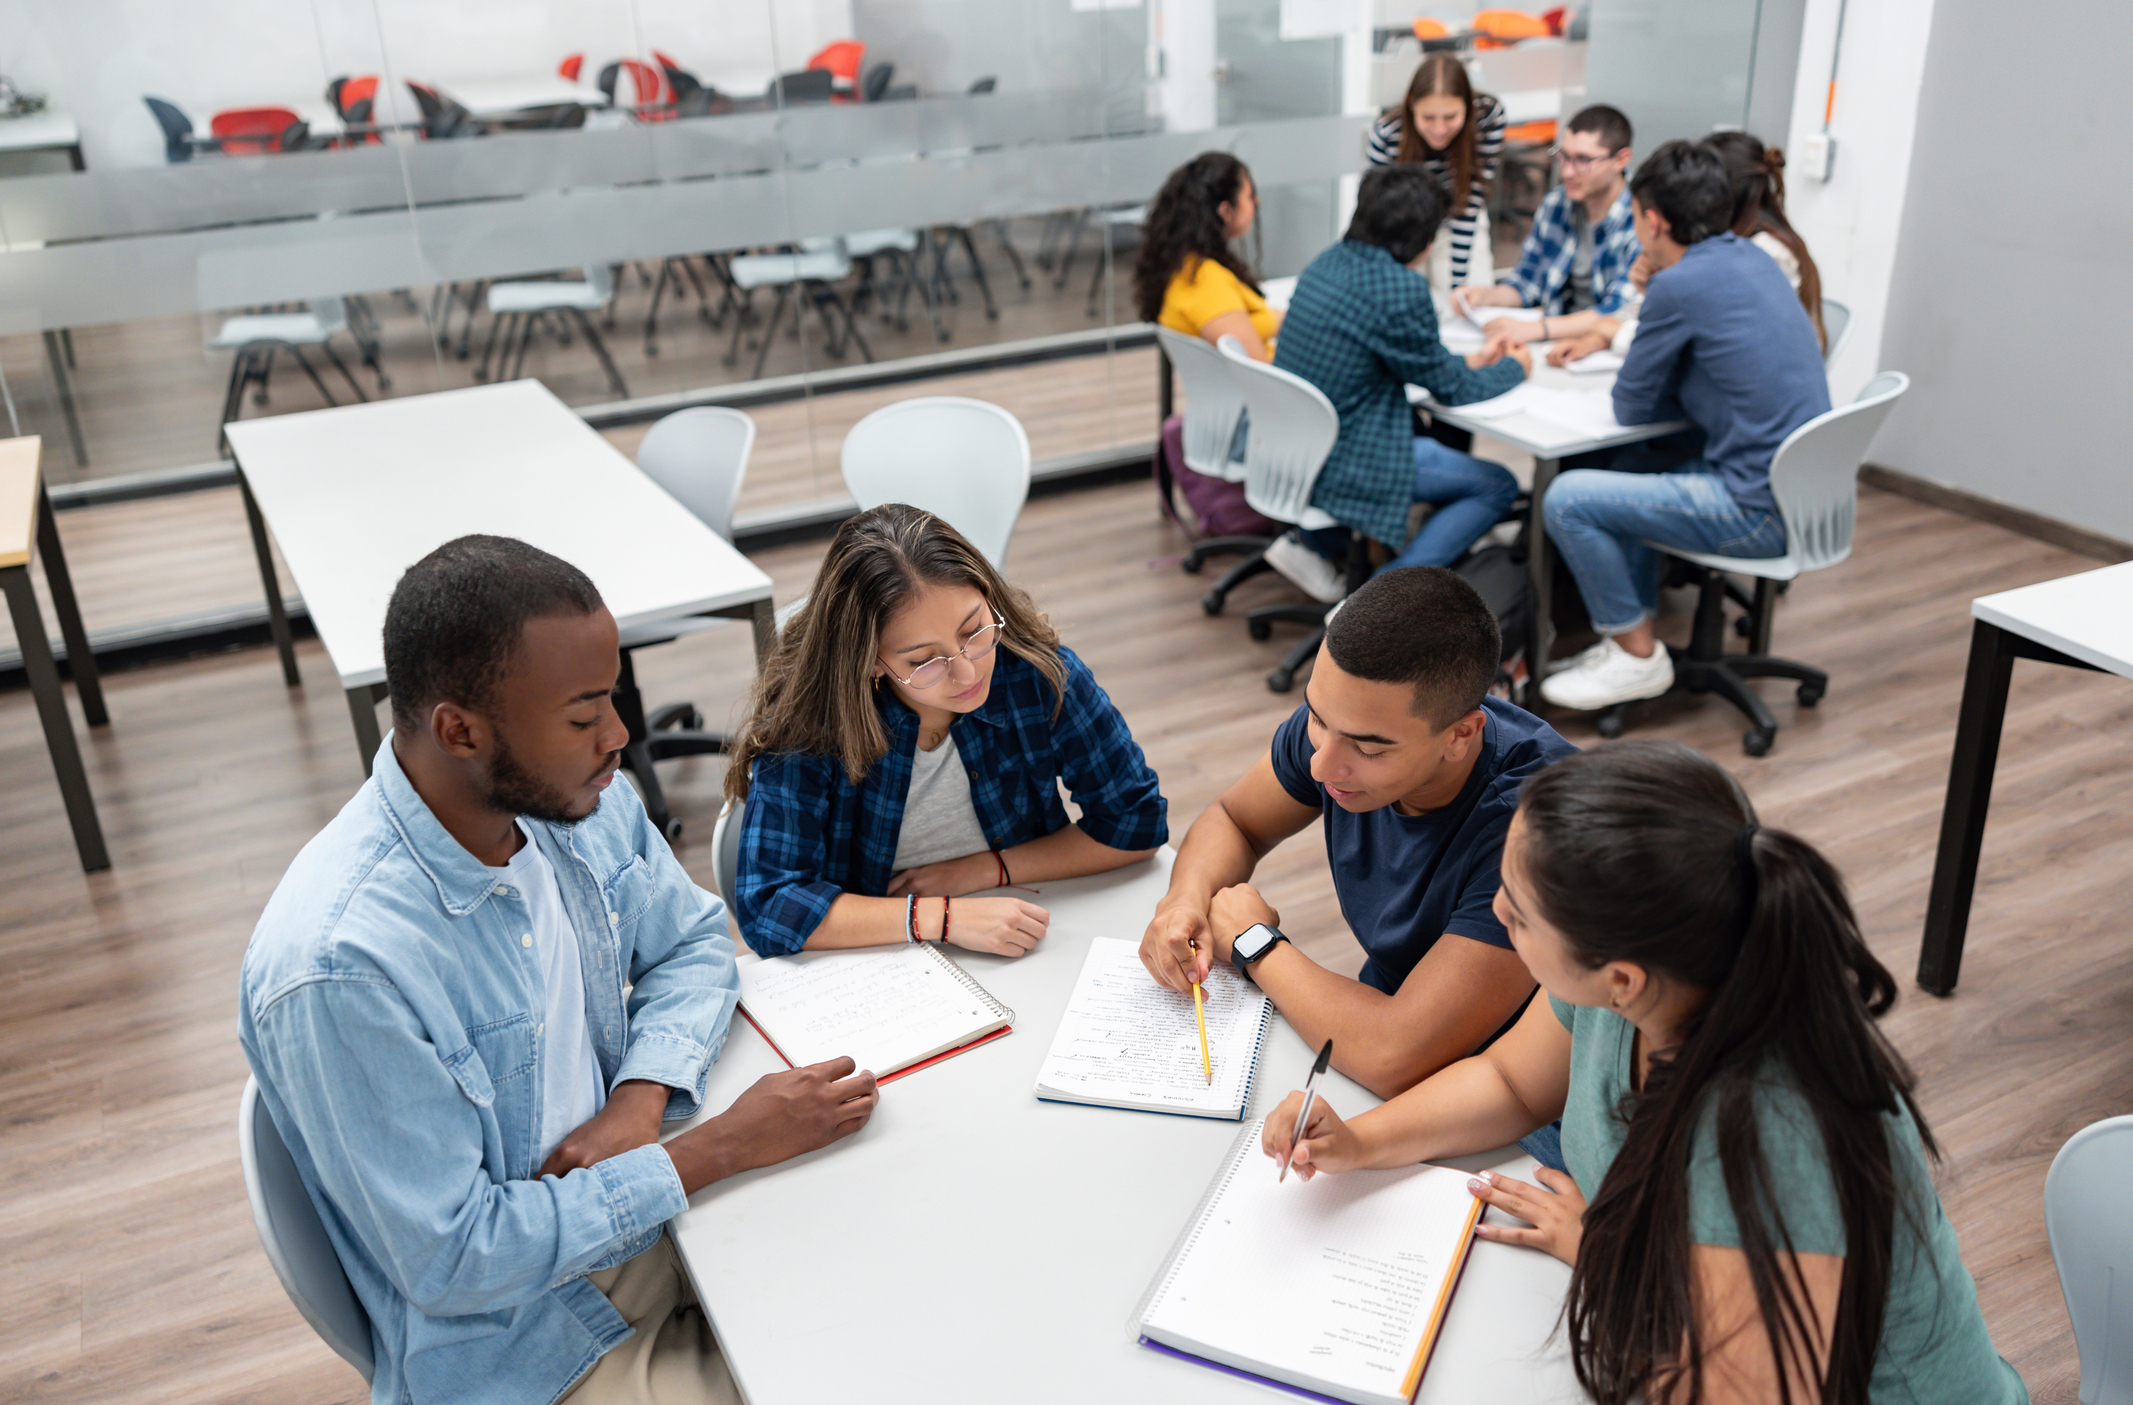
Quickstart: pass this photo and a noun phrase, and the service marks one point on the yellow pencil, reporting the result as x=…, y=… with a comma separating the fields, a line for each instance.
x=1199, y=1011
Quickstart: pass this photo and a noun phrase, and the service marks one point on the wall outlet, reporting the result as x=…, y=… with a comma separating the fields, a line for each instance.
x=1816, y=155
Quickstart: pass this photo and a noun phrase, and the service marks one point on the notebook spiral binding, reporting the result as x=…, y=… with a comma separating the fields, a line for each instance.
x=1239, y=1151
x=970, y=983
x=1251, y=1071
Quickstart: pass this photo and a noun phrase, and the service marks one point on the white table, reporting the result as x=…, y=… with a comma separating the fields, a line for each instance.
x=42, y=131
x=357, y=494
x=2079, y=621
x=490, y=98
x=974, y=1244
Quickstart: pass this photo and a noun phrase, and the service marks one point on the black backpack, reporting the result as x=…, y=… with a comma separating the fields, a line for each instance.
x=1499, y=573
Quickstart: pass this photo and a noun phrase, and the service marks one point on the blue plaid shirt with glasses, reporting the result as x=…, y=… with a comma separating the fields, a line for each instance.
x=810, y=834
x=1542, y=278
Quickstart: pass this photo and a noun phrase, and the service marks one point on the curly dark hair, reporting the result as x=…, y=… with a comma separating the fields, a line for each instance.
x=1184, y=222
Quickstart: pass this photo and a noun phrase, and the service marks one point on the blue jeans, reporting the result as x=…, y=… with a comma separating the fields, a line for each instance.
x=1546, y=1146
x=1600, y=519
x=1471, y=495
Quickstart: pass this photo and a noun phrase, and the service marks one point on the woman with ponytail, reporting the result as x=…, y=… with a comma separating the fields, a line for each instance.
x=1189, y=276
x=1750, y=1212
x=1758, y=174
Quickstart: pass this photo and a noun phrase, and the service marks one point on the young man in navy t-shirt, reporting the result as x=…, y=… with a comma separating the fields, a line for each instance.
x=1416, y=772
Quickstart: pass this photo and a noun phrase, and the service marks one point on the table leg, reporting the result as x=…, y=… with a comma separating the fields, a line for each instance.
x=1540, y=567
x=52, y=712
x=363, y=710
x=81, y=660
x=277, y=617
x=1962, y=820
x=57, y=356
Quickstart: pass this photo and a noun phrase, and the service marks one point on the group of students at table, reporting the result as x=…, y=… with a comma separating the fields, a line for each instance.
x=1688, y=268
x=478, y=993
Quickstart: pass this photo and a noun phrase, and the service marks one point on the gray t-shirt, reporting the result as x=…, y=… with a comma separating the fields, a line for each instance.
x=940, y=822
x=1580, y=291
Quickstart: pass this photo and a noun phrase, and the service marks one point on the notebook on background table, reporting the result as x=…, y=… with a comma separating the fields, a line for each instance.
x=893, y=1009
x=1127, y=1042
x=1333, y=1288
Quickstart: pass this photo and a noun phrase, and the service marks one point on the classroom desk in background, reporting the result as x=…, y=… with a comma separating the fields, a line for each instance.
x=42, y=131
x=2078, y=621
x=974, y=1244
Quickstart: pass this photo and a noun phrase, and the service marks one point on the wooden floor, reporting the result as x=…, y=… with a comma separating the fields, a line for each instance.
x=134, y=1273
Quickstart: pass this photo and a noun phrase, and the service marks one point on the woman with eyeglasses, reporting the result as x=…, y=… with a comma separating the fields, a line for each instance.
x=904, y=749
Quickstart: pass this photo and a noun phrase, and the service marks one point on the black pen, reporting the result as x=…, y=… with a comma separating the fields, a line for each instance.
x=1303, y=1116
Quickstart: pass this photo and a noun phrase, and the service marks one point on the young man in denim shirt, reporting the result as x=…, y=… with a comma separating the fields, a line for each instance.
x=478, y=992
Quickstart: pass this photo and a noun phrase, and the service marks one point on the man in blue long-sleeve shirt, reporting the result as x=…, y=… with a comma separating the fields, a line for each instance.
x=1723, y=342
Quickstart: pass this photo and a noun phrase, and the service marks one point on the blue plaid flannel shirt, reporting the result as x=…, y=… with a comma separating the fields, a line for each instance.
x=809, y=834
x=1542, y=277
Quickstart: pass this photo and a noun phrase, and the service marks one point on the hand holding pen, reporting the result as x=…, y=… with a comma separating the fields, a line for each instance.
x=1288, y=1132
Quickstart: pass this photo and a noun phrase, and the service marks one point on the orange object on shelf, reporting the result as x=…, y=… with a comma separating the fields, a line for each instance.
x=1554, y=20
x=842, y=60
x=571, y=66
x=1500, y=29
x=1426, y=28
x=1536, y=133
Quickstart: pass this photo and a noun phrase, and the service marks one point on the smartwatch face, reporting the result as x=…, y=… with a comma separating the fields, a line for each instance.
x=1253, y=942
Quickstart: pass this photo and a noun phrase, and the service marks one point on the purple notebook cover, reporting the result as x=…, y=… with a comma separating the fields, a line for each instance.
x=1232, y=1370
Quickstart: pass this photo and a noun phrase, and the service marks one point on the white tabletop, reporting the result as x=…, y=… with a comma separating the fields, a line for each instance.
x=2089, y=616
x=500, y=97
x=38, y=131
x=356, y=495
x=975, y=1244
x=1545, y=438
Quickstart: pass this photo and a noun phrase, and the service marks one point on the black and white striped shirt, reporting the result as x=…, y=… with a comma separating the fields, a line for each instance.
x=1489, y=126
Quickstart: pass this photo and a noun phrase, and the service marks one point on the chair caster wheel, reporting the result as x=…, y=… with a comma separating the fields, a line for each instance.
x=1280, y=681
x=672, y=828
x=1743, y=627
x=1192, y=563
x=1809, y=695
x=1611, y=722
x=1756, y=742
x=1262, y=631
x=1212, y=602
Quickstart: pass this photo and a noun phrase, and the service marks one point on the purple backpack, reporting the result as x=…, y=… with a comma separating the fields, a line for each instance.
x=1218, y=505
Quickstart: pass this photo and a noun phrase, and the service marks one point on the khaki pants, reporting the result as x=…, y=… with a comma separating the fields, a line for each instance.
x=673, y=1359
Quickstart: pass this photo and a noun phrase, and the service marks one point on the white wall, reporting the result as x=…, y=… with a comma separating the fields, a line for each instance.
x=1851, y=222
x=97, y=58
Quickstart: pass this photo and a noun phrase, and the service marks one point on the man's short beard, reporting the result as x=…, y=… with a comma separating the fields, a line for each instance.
x=513, y=790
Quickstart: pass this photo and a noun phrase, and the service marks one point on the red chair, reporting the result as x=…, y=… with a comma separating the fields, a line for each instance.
x=842, y=60
x=648, y=98
x=571, y=67
x=355, y=99
x=1554, y=19
x=250, y=131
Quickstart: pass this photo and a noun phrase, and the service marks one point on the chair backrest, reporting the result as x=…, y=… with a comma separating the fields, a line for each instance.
x=876, y=83
x=984, y=85
x=294, y=1236
x=964, y=461
x=571, y=66
x=1814, y=474
x=841, y=59
x=177, y=129
x=332, y=313
x=1836, y=321
x=442, y=117
x=808, y=85
x=252, y=129
x=1293, y=429
x=1214, y=401
x=726, y=851
x=2090, y=1221
x=600, y=278
x=700, y=456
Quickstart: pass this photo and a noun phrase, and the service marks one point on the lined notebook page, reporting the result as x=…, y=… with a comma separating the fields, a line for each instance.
x=887, y=1007
x=1335, y=1284
x=1127, y=1042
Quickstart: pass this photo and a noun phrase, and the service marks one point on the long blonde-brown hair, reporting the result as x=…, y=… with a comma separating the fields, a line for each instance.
x=813, y=695
x=1442, y=75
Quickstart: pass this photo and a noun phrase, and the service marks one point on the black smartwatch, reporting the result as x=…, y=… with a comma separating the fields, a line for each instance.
x=1251, y=947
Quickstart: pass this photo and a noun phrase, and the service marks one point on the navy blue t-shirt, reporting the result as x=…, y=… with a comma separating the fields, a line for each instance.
x=1405, y=880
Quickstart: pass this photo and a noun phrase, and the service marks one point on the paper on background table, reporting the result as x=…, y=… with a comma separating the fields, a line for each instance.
x=1277, y=292
x=1516, y=400
x=1591, y=412
x=1594, y=364
x=1336, y=1284
x=887, y=1007
x=1125, y=1041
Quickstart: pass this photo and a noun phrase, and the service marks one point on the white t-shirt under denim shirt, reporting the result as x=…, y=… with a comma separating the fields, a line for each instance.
x=940, y=822
x=570, y=1074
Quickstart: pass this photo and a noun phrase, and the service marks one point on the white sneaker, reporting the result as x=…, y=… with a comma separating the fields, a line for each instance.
x=1608, y=675
x=1319, y=578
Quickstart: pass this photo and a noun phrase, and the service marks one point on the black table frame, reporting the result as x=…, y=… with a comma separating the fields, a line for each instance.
x=43, y=673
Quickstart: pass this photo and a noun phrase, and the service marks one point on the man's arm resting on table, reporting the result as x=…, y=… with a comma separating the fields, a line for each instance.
x=1221, y=849
x=1459, y=993
x=781, y=1116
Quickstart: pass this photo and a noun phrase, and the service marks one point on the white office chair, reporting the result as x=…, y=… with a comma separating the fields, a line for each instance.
x=1836, y=321
x=295, y=1239
x=814, y=275
x=1814, y=477
x=256, y=337
x=700, y=456
x=1214, y=406
x=1293, y=429
x=965, y=461
x=2086, y=1214
x=518, y=308
x=726, y=850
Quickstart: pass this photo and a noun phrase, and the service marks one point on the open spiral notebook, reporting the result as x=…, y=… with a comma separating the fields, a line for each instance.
x=893, y=1009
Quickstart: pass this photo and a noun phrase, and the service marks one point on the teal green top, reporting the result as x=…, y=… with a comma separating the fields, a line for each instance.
x=1934, y=1346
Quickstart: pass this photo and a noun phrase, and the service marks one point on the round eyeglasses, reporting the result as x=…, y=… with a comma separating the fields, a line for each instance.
x=977, y=648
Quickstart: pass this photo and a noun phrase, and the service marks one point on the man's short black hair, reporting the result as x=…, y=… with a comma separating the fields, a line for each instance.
x=1687, y=182
x=455, y=619
x=1606, y=123
x=1398, y=208
x=1426, y=627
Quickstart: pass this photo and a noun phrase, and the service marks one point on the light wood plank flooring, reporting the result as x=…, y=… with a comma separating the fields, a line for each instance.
x=134, y=1272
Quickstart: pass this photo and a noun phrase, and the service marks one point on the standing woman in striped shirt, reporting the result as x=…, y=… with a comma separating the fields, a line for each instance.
x=1458, y=134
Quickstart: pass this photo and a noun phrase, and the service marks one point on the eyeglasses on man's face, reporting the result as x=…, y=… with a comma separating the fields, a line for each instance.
x=1573, y=161
x=975, y=649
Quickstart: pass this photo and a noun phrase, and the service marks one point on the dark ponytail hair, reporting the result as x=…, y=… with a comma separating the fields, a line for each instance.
x=1185, y=222
x=1648, y=852
x=1758, y=176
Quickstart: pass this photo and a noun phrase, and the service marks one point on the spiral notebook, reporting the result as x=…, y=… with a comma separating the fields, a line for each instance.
x=1127, y=1042
x=1333, y=1288
x=893, y=1009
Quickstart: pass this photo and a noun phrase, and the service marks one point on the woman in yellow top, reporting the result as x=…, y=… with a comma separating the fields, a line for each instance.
x=1188, y=276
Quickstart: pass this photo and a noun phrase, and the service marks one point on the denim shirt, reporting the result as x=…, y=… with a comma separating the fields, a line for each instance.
x=391, y=1007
